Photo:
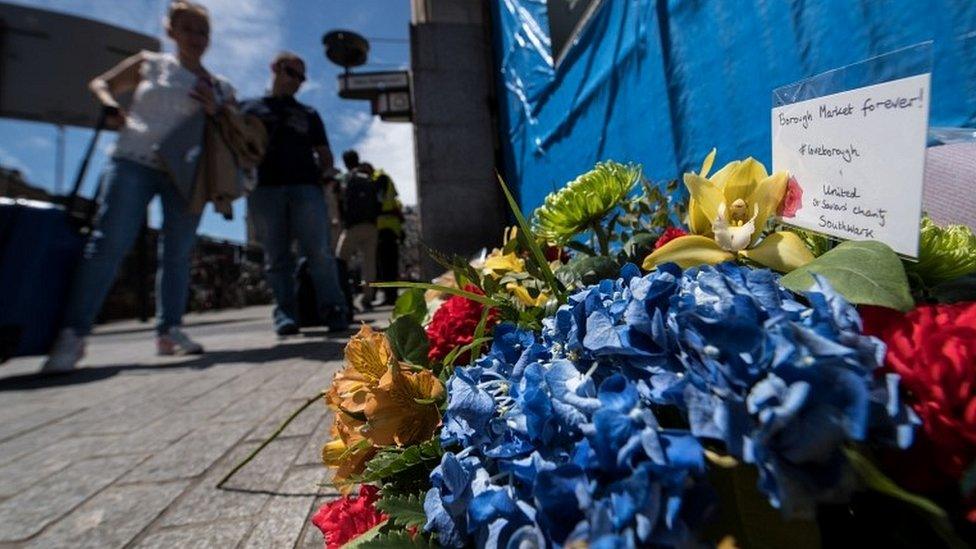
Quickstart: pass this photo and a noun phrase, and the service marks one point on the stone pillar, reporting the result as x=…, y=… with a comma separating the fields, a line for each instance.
x=462, y=208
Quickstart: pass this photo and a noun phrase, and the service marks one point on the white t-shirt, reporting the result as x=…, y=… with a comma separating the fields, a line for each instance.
x=161, y=102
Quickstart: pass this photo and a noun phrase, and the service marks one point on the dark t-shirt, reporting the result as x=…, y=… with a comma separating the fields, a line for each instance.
x=294, y=130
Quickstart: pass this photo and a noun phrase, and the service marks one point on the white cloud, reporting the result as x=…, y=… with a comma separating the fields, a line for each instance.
x=389, y=145
x=354, y=123
x=246, y=34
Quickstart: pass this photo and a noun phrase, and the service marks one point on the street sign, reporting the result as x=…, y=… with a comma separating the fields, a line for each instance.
x=366, y=85
x=388, y=92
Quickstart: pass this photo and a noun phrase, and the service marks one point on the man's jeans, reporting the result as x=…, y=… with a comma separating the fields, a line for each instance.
x=285, y=213
x=127, y=189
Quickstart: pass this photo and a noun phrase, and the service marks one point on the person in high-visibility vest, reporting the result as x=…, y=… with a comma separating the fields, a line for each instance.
x=389, y=227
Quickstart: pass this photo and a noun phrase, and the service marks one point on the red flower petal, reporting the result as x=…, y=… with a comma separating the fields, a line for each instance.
x=343, y=519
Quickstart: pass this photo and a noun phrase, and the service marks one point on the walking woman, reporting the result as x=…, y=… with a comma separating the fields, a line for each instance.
x=169, y=89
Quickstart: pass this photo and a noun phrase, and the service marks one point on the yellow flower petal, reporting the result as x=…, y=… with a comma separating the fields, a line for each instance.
x=522, y=294
x=497, y=264
x=743, y=180
x=707, y=164
x=688, y=251
x=706, y=196
x=720, y=177
x=369, y=353
x=767, y=195
x=782, y=251
x=698, y=222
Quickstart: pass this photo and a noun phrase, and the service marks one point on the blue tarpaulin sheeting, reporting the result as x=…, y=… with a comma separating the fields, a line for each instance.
x=662, y=82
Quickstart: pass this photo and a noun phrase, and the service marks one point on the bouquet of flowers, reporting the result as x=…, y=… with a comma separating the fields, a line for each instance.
x=748, y=385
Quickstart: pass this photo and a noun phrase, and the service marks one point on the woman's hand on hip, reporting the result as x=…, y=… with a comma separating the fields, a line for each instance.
x=115, y=117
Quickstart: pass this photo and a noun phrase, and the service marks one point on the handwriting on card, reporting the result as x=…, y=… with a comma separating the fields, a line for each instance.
x=858, y=157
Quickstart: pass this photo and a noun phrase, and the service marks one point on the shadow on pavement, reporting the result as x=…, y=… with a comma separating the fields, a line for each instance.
x=149, y=326
x=309, y=350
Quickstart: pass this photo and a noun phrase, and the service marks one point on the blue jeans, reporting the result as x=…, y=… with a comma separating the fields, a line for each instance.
x=282, y=214
x=127, y=189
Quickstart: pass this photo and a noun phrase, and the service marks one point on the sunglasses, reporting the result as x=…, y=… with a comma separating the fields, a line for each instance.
x=297, y=75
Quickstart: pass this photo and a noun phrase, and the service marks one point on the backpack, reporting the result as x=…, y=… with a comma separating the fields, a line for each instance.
x=360, y=200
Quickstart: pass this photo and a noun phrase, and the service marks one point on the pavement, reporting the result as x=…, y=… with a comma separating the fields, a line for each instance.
x=127, y=450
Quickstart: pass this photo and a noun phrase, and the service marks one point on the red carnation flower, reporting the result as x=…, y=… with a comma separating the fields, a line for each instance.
x=933, y=349
x=346, y=518
x=454, y=324
x=669, y=234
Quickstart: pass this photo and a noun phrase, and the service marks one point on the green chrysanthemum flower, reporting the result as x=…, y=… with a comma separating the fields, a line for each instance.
x=944, y=253
x=583, y=202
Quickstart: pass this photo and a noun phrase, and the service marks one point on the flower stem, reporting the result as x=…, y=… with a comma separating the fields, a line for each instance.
x=602, y=238
x=268, y=441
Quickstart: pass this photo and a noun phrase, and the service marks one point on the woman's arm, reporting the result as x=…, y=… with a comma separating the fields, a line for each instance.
x=119, y=79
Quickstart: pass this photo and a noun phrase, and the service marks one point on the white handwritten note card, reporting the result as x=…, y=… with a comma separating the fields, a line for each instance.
x=859, y=159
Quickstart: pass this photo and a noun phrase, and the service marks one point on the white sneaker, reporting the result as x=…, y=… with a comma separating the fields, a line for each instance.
x=175, y=342
x=68, y=349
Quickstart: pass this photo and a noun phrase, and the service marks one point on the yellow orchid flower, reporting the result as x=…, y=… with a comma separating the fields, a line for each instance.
x=498, y=264
x=402, y=409
x=523, y=295
x=727, y=213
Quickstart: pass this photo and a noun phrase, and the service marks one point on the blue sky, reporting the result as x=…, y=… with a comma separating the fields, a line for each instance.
x=245, y=35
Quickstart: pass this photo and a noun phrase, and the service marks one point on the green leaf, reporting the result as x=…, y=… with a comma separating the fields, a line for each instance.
x=590, y=270
x=411, y=303
x=404, y=511
x=866, y=273
x=396, y=540
x=360, y=540
x=525, y=231
x=479, y=334
x=876, y=480
x=409, y=340
x=439, y=288
x=392, y=461
x=461, y=267
x=458, y=351
x=638, y=246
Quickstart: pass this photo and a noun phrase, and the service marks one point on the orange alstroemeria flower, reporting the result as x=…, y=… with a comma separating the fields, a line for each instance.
x=402, y=409
x=368, y=357
x=349, y=450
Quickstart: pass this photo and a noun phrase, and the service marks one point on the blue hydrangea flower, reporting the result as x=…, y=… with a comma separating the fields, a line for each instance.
x=550, y=444
x=784, y=385
x=619, y=325
x=592, y=430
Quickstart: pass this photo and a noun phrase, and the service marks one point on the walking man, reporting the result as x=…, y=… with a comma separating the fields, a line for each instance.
x=288, y=203
x=360, y=207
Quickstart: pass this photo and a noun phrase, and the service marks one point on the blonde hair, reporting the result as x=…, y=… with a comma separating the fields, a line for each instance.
x=182, y=8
